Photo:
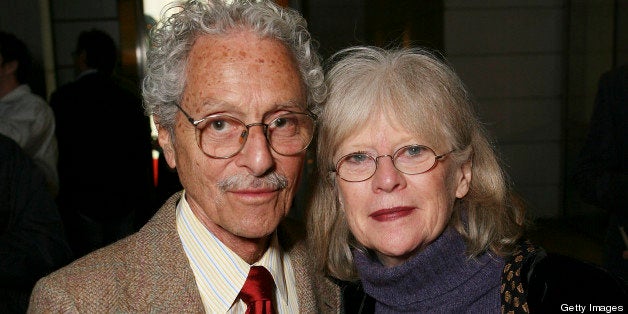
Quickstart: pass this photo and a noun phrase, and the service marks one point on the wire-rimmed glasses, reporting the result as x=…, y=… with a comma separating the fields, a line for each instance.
x=223, y=136
x=409, y=159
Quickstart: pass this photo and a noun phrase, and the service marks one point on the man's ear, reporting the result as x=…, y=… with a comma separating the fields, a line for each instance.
x=166, y=142
x=464, y=178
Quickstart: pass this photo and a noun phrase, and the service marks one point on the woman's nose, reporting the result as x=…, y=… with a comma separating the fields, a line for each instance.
x=387, y=178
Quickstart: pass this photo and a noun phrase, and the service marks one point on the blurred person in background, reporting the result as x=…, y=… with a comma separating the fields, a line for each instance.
x=32, y=236
x=24, y=116
x=104, y=149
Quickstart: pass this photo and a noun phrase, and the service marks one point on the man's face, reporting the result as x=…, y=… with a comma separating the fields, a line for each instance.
x=246, y=77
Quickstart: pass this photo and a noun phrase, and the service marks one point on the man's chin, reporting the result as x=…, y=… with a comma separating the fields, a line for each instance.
x=255, y=235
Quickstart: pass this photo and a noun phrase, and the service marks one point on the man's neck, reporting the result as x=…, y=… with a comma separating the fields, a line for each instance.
x=7, y=86
x=250, y=250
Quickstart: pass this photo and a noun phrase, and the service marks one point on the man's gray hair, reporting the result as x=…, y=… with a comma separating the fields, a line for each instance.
x=172, y=39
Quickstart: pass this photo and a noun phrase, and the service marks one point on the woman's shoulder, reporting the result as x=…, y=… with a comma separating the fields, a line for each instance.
x=354, y=298
x=513, y=288
x=534, y=280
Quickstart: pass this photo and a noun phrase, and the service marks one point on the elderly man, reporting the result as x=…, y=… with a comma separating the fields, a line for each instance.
x=229, y=86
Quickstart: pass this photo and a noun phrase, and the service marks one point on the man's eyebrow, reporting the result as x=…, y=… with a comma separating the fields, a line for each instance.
x=214, y=103
x=291, y=104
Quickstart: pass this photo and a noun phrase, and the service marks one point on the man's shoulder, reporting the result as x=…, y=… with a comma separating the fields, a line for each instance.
x=151, y=241
x=93, y=275
x=106, y=258
x=35, y=99
x=67, y=87
x=130, y=274
x=63, y=93
x=108, y=269
x=25, y=98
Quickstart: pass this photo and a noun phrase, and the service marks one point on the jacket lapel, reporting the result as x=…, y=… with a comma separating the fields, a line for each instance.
x=161, y=265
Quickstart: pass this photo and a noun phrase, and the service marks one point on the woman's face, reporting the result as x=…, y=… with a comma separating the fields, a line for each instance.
x=393, y=213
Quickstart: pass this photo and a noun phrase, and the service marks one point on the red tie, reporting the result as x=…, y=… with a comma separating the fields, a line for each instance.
x=257, y=291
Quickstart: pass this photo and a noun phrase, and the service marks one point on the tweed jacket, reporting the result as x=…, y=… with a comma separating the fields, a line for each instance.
x=148, y=272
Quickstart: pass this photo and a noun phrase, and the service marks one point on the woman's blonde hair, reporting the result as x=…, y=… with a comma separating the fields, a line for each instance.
x=418, y=90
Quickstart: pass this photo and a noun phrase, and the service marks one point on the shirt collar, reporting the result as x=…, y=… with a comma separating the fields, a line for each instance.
x=220, y=273
x=84, y=73
x=16, y=93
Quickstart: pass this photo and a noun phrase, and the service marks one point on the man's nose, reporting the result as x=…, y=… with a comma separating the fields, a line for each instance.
x=256, y=155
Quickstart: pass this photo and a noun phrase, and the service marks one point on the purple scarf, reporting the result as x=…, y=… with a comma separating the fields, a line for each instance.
x=439, y=279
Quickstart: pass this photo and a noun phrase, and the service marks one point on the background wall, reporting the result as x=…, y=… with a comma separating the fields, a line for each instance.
x=532, y=65
x=511, y=54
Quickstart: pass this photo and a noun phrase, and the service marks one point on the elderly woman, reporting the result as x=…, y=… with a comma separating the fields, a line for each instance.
x=412, y=211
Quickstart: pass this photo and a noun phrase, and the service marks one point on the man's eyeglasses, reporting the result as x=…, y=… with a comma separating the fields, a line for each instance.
x=410, y=159
x=223, y=136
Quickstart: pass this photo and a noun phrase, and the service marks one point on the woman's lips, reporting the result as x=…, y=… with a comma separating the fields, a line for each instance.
x=393, y=213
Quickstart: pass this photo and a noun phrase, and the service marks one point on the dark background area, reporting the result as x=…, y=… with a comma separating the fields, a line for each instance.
x=532, y=66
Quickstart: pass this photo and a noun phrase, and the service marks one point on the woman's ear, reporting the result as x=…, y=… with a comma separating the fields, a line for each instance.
x=332, y=179
x=464, y=178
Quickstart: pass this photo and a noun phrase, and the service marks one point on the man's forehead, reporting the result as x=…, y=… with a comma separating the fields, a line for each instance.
x=240, y=45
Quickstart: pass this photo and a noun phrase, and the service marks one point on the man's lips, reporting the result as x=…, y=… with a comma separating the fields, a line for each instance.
x=255, y=195
x=254, y=192
x=392, y=213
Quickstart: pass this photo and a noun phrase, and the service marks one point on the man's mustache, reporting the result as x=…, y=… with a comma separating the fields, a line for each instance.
x=272, y=180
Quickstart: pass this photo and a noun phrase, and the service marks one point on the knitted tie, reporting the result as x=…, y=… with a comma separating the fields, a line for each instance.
x=257, y=291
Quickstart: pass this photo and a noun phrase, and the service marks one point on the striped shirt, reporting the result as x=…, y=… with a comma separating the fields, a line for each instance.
x=220, y=273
